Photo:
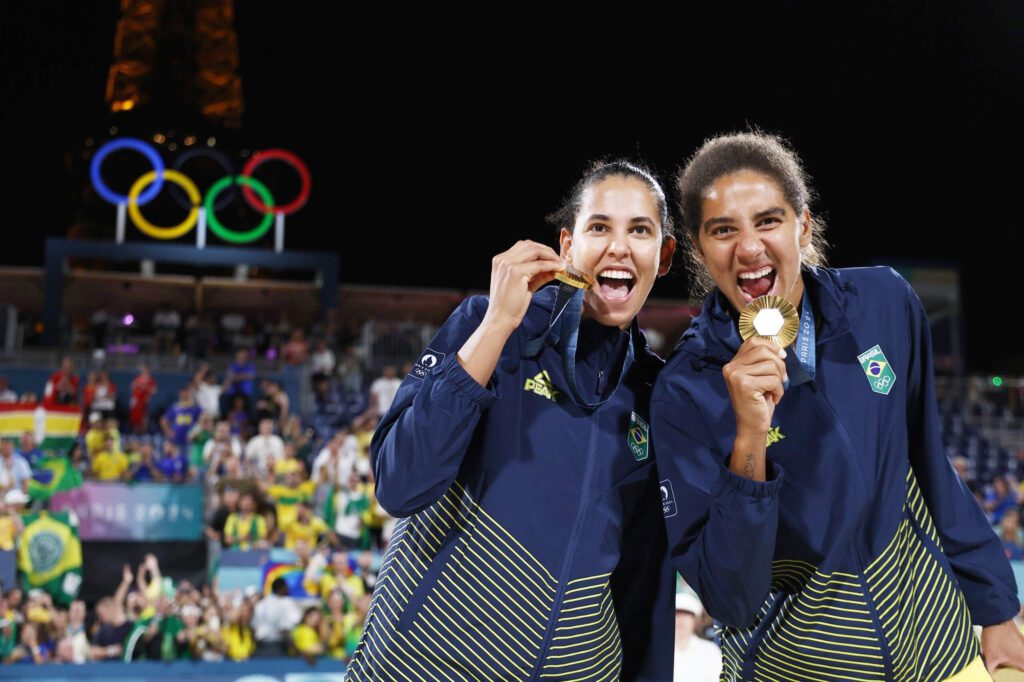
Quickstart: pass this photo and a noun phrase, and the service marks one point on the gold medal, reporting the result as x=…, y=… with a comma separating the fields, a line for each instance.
x=770, y=317
x=574, y=278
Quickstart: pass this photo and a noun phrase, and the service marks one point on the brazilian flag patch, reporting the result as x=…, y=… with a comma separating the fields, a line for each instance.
x=638, y=437
x=877, y=369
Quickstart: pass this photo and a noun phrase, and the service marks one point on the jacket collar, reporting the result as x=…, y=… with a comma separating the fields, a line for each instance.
x=644, y=359
x=545, y=300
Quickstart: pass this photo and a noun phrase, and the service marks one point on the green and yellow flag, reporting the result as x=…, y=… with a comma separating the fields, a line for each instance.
x=50, y=555
x=51, y=475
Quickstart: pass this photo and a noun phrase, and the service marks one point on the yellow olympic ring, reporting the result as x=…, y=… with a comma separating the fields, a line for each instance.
x=156, y=231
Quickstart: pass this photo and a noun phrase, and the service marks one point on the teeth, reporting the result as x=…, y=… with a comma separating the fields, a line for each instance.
x=616, y=274
x=763, y=272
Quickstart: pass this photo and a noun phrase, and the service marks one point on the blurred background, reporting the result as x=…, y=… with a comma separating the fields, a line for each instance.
x=188, y=398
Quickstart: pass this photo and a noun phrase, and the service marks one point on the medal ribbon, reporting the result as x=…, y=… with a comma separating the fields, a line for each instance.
x=565, y=321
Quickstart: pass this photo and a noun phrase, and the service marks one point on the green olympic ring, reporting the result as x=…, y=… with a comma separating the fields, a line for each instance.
x=228, y=234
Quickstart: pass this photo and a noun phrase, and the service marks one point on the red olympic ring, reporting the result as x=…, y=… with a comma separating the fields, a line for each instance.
x=293, y=161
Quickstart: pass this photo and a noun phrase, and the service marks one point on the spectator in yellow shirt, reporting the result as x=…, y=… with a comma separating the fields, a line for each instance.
x=96, y=434
x=305, y=526
x=287, y=464
x=110, y=464
x=335, y=618
x=245, y=528
x=99, y=430
x=286, y=496
x=237, y=636
x=10, y=518
x=307, y=637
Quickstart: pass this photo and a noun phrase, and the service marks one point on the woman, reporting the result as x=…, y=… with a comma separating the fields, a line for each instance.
x=812, y=505
x=237, y=636
x=246, y=529
x=516, y=451
x=301, y=439
x=334, y=641
x=103, y=397
x=308, y=635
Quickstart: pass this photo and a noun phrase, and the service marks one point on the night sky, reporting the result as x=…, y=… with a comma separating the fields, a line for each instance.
x=438, y=138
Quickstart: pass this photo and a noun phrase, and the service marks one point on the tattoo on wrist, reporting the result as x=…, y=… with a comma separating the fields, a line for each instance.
x=748, y=467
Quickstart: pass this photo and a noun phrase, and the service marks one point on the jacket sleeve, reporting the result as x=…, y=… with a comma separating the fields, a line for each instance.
x=419, y=445
x=721, y=526
x=973, y=549
x=643, y=590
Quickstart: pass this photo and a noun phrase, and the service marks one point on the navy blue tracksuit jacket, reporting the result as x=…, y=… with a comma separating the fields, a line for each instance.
x=531, y=541
x=863, y=556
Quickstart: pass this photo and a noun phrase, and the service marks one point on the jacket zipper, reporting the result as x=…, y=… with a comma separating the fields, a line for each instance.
x=570, y=550
x=883, y=642
x=848, y=443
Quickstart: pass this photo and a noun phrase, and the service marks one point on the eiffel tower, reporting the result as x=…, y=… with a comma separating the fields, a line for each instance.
x=190, y=45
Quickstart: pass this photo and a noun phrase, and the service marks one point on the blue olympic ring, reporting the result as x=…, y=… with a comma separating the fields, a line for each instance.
x=127, y=143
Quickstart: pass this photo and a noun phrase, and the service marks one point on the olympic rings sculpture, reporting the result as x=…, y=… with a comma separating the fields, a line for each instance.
x=150, y=184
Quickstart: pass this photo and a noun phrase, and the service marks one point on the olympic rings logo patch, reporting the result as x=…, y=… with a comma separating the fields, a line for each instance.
x=200, y=209
x=877, y=369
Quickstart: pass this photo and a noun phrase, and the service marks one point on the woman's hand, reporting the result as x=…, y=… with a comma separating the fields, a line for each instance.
x=1002, y=645
x=754, y=378
x=515, y=275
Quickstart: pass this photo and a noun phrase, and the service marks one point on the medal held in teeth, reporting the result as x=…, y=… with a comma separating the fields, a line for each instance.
x=574, y=278
x=770, y=317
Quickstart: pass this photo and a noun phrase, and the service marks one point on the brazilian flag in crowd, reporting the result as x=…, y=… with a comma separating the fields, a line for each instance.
x=51, y=475
x=50, y=555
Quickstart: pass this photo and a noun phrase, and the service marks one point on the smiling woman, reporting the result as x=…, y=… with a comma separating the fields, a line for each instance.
x=750, y=238
x=776, y=175
x=616, y=239
x=531, y=543
x=818, y=518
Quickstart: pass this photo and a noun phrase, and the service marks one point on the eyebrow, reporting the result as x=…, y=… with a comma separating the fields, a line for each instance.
x=638, y=219
x=711, y=222
x=775, y=210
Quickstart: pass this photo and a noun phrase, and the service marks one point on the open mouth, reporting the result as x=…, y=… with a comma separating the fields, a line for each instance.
x=614, y=284
x=755, y=283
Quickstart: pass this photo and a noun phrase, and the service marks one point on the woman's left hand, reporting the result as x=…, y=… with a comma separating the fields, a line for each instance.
x=1002, y=645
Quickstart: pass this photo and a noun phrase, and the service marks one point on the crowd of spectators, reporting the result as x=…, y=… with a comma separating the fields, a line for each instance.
x=1002, y=501
x=149, y=617
x=272, y=478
